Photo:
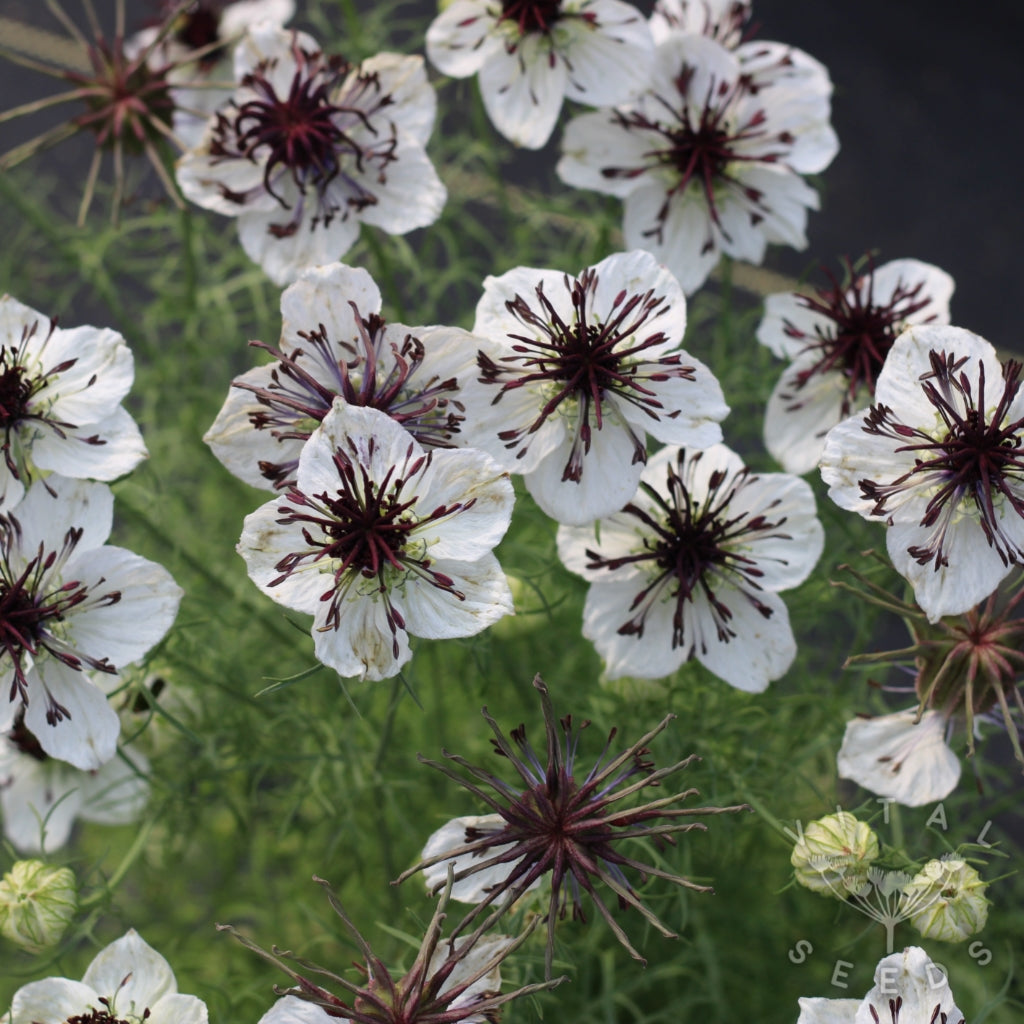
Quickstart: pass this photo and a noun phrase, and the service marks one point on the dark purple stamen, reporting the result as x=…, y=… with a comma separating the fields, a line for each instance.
x=306, y=382
x=974, y=459
x=364, y=534
x=532, y=15
x=586, y=361
x=860, y=335
x=694, y=549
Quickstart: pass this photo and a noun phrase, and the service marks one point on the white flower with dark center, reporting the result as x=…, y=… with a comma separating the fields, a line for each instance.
x=581, y=370
x=334, y=344
x=708, y=160
x=532, y=54
x=692, y=566
x=380, y=540
x=837, y=339
x=938, y=458
x=71, y=606
x=40, y=798
x=909, y=989
x=128, y=982
x=60, y=402
x=198, y=49
x=310, y=146
x=903, y=756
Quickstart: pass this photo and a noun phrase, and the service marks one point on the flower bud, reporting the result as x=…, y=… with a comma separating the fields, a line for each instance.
x=833, y=854
x=37, y=903
x=945, y=900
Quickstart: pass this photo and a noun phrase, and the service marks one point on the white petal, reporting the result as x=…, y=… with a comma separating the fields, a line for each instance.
x=363, y=645
x=762, y=648
x=132, y=972
x=798, y=418
x=436, y=614
x=523, y=91
x=409, y=193
x=486, y=949
x=893, y=757
x=595, y=142
x=462, y=38
x=237, y=16
x=51, y=1000
x=789, y=326
x=45, y=518
x=412, y=106
x=612, y=537
x=920, y=984
x=117, y=450
x=179, y=1009
x=39, y=800
x=935, y=285
x=292, y=1010
x=610, y=57
x=817, y=1010
x=87, y=738
x=324, y=295
x=117, y=793
x=122, y=632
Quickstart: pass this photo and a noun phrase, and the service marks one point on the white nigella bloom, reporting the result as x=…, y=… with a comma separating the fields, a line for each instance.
x=532, y=54
x=837, y=339
x=909, y=989
x=903, y=756
x=128, y=982
x=71, y=606
x=938, y=459
x=310, y=146
x=692, y=566
x=709, y=160
x=60, y=402
x=197, y=52
x=380, y=540
x=41, y=798
x=334, y=344
x=581, y=370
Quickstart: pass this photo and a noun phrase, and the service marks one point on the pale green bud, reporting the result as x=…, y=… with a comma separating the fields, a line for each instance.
x=37, y=903
x=833, y=854
x=945, y=900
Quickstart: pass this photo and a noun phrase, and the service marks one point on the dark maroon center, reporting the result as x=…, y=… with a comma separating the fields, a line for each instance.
x=15, y=391
x=531, y=16
x=200, y=26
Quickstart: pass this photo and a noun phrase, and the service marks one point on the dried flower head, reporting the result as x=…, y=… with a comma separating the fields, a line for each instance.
x=555, y=822
x=450, y=981
x=127, y=95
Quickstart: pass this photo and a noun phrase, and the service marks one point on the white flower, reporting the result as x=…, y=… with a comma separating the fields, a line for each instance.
x=41, y=798
x=706, y=161
x=837, y=339
x=334, y=344
x=128, y=982
x=692, y=566
x=531, y=55
x=70, y=606
x=581, y=370
x=380, y=540
x=209, y=27
x=309, y=147
x=900, y=757
x=722, y=20
x=909, y=989
x=60, y=402
x=938, y=458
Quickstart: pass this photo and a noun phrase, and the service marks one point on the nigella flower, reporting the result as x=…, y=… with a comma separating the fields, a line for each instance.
x=128, y=982
x=938, y=459
x=127, y=98
x=334, y=344
x=532, y=54
x=692, y=567
x=71, y=606
x=581, y=370
x=41, y=798
x=451, y=981
x=909, y=989
x=555, y=823
x=310, y=146
x=206, y=28
x=60, y=402
x=837, y=338
x=966, y=671
x=709, y=160
x=380, y=540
